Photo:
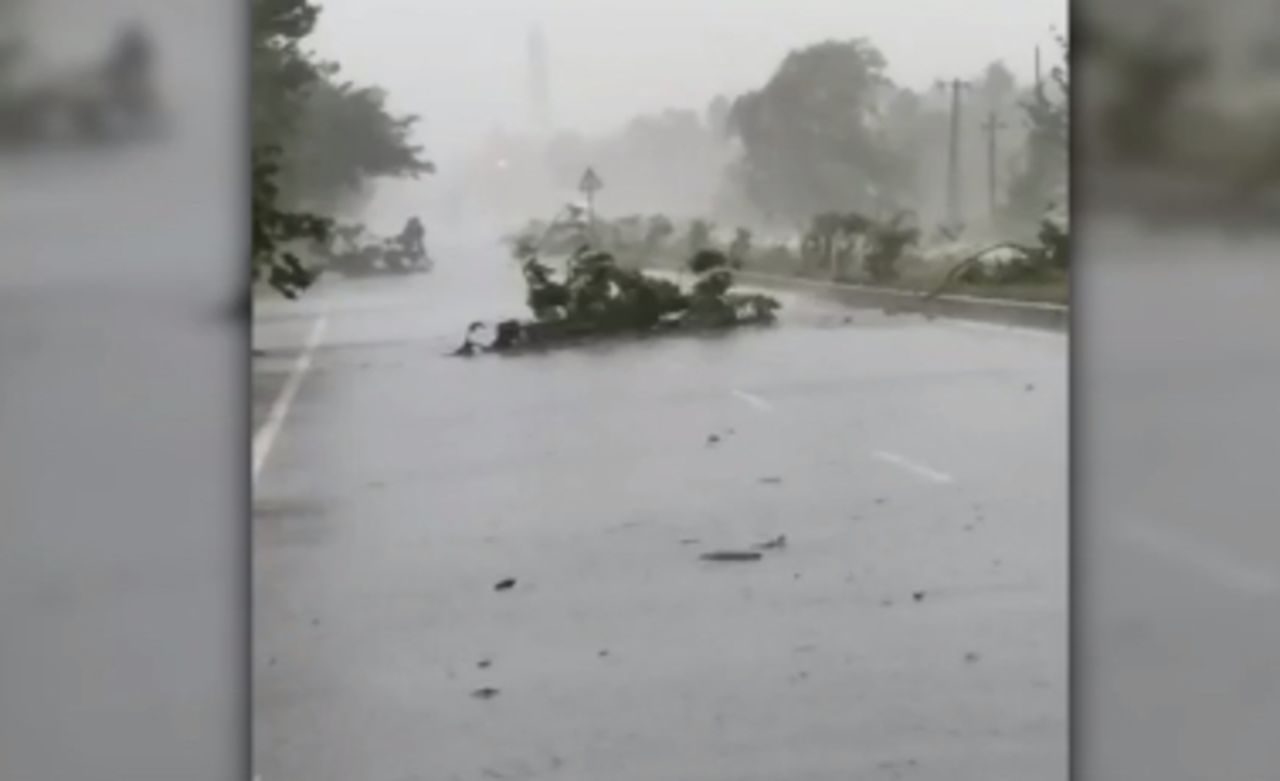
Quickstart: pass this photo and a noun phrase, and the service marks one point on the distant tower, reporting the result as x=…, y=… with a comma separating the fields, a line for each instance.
x=539, y=81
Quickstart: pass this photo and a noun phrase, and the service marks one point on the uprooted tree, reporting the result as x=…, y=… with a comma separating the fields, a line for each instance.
x=598, y=298
x=1011, y=263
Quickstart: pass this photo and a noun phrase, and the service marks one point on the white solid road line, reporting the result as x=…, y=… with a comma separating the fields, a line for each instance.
x=754, y=400
x=914, y=467
x=265, y=436
x=1041, y=334
x=1221, y=566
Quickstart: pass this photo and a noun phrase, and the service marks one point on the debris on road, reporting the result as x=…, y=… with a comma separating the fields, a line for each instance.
x=771, y=480
x=713, y=439
x=732, y=556
x=971, y=657
x=776, y=543
x=505, y=585
x=470, y=344
x=604, y=652
x=467, y=350
x=598, y=298
x=690, y=541
x=484, y=664
x=487, y=693
x=918, y=596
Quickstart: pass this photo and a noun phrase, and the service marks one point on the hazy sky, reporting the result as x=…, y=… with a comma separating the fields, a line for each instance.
x=461, y=63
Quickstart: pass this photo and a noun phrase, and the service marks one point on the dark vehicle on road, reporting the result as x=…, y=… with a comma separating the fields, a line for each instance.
x=405, y=253
x=111, y=102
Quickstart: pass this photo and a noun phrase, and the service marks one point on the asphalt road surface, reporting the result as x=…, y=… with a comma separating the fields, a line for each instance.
x=914, y=625
x=122, y=388
x=1176, y=557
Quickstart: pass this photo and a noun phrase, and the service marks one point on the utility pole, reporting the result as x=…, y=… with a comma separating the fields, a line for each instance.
x=992, y=126
x=953, y=152
x=588, y=186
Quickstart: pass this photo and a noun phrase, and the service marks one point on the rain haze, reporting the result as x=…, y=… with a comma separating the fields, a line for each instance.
x=737, y=473
x=464, y=68
x=639, y=440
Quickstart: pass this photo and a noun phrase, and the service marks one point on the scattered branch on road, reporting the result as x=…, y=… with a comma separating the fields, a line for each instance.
x=732, y=555
x=599, y=299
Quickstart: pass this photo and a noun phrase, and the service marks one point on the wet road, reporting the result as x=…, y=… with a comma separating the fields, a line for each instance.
x=122, y=389
x=913, y=627
x=1178, y=551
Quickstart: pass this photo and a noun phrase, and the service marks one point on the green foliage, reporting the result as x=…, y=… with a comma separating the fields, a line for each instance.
x=1044, y=171
x=1029, y=265
x=280, y=73
x=830, y=229
x=274, y=228
x=600, y=298
x=699, y=235
x=831, y=238
x=705, y=260
x=740, y=248
x=888, y=240
x=346, y=251
x=778, y=259
x=347, y=137
x=313, y=140
x=1055, y=244
x=658, y=230
x=811, y=135
x=996, y=87
x=549, y=300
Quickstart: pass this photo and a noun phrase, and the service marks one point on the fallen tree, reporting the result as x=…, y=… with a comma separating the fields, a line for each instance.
x=352, y=251
x=599, y=299
x=1021, y=263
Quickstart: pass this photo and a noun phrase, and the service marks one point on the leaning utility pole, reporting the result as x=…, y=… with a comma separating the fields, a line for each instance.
x=992, y=126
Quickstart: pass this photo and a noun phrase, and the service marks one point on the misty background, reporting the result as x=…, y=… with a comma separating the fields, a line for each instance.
x=639, y=89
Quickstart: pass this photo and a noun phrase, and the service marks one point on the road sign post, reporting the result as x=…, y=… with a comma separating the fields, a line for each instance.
x=589, y=184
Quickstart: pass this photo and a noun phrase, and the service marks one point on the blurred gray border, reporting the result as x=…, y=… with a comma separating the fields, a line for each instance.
x=1175, y=552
